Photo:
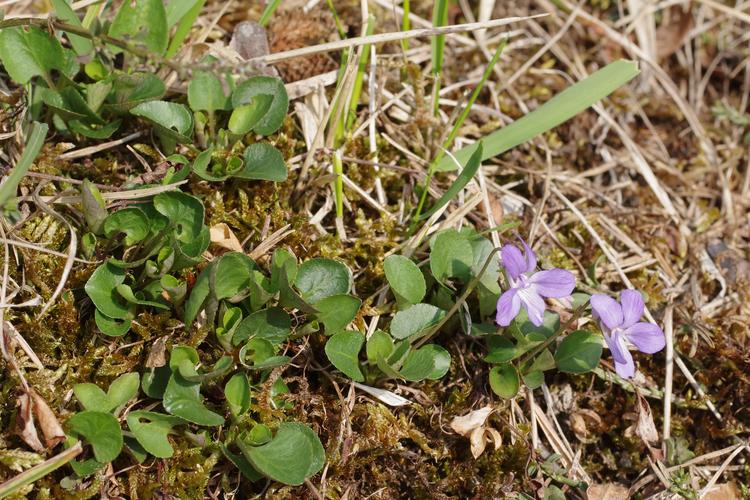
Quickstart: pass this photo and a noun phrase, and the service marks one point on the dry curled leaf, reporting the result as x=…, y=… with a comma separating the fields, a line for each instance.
x=473, y=425
x=50, y=426
x=222, y=236
x=25, y=427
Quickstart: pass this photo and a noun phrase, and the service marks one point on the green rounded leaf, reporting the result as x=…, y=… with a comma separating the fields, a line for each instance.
x=184, y=212
x=246, y=93
x=237, y=392
x=247, y=116
x=451, y=256
x=91, y=397
x=100, y=429
x=501, y=350
x=101, y=288
x=263, y=162
x=379, y=345
x=428, y=362
x=144, y=21
x=504, y=381
x=579, y=352
x=173, y=120
x=272, y=324
x=415, y=320
x=404, y=278
x=151, y=430
x=205, y=92
x=343, y=351
x=292, y=456
x=110, y=326
x=130, y=221
x=337, y=311
x=31, y=52
x=182, y=398
x=129, y=90
x=320, y=278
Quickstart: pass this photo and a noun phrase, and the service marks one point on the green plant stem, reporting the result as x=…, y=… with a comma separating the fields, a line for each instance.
x=576, y=314
x=39, y=471
x=439, y=19
x=454, y=133
x=83, y=32
x=361, y=68
x=33, y=145
x=338, y=169
x=467, y=291
x=405, y=23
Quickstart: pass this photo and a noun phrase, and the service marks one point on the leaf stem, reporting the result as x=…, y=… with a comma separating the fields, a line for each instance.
x=469, y=288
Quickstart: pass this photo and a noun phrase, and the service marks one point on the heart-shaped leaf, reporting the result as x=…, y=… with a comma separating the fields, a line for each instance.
x=31, y=52
x=173, y=121
x=379, y=345
x=237, y=393
x=144, y=21
x=404, y=278
x=414, y=320
x=101, y=288
x=205, y=93
x=292, y=456
x=320, y=278
x=101, y=429
x=130, y=221
x=272, y=324
x=110, y=326
x=130, y=90
x=504, y=380
x=337, y=311
x=151, y=430
x=500, y=350
x=184, y=212
x=343, y=351
x=451, y=256
x=246, y=92
x=428, y=362
x=247, y=116
x=263, y=162
x=579, y=352
x=182, y=398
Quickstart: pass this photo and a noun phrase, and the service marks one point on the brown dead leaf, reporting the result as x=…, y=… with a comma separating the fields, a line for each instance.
x=607, y=491
x=673, y=30
x=724, y=491
x=472, y=425
x=466, y=424
x=157, y=356
x=25, y=427
x=51, y=428
x=222, y=236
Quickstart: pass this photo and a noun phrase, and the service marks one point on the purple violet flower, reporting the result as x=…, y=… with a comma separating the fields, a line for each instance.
x=528, y=287
x=619, y=323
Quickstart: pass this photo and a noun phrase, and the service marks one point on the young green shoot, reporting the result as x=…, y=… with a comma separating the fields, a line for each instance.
x=268, y=12
x=439, y=19
x=454, y=133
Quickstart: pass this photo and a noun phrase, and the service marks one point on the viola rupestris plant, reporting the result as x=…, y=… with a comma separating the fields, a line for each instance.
x=526, y=347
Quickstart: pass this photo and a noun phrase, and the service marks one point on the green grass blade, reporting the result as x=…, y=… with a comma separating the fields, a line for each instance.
x=439, y=18
x=461, y=181
x=183, y=28
x=405, y=23
x=357, y=90
x=557, y=110
x=37, y=472
x=33, y=146
x=268, y=12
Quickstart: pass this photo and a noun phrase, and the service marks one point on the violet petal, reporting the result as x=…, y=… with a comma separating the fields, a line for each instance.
x=508, y=306
x=632, y=307
x=534, y=304
x=647, y=337
x=554, y=283
x=513, y=261
x=607, y=310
